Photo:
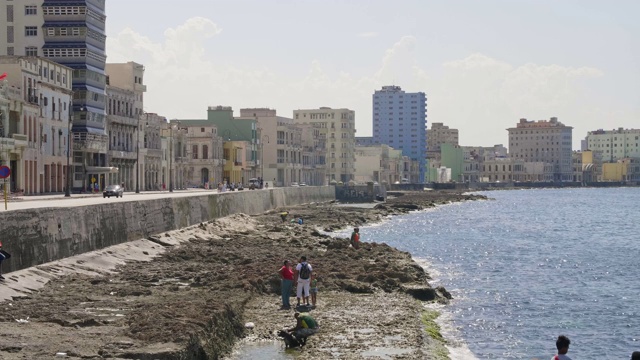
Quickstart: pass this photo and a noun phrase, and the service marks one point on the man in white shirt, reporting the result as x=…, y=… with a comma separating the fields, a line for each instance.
x=303, y=279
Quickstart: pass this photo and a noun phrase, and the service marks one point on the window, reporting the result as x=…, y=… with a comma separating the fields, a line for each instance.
x=31, y=51
x=9, y=50
x=30, y=9
x=10, y=34
x=30, y=31
x=205, y=152
x=194, y=151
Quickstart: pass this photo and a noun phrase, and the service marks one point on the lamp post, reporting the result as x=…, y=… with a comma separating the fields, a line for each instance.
x=67, y=190
x=262, y=156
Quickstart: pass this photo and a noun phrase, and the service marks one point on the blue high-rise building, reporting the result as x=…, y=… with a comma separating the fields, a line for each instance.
x=400, y=121
x=74, y=35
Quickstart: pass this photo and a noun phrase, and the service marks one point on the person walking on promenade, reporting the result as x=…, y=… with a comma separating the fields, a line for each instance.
x=303, y=276
x=562, y=344
x=355, y=238
x=286, y=274
x=3, y=256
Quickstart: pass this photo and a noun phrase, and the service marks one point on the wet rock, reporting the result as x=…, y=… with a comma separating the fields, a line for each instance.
x=420, y=292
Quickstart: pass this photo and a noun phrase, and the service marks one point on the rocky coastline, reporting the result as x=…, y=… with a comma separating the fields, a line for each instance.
x=192, y=302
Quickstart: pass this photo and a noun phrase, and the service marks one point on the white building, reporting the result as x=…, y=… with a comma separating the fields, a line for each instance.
x=35, y=124
x=614, y=144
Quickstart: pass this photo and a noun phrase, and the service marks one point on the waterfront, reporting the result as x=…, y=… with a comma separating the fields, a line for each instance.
x=529, y=266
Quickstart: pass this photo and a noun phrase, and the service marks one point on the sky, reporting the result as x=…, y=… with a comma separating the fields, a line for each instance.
x=482, y=64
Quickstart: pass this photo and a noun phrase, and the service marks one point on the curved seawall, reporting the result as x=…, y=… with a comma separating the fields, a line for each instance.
x=41, y=235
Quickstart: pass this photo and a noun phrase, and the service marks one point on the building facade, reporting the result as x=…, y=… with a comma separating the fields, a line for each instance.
x=336, y=127
x=543, y=141
x=400, y=121
x=437, y=135
x=615, y=144
x=35, y=124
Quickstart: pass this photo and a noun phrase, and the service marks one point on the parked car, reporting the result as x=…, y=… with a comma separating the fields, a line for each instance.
x=303, y=184
x=294, y=184
x=254, y=184
x=113, y=190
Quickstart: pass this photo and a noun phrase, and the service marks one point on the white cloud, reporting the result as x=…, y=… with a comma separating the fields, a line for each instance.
x=478, y=94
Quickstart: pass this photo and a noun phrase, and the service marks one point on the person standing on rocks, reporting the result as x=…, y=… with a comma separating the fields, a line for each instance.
x=303, y=276
x=286, y=274
x=355, y=238
x=562, y=344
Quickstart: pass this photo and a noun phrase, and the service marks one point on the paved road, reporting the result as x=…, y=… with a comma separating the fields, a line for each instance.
x=31, y=202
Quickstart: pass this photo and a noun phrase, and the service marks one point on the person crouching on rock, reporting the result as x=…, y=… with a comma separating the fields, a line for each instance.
x=283, y=216
x=286, y=274
x=355, y=238
x=305, y=327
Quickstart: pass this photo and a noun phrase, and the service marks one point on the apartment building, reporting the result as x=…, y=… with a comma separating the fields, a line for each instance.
x=437, y=135
x=400, y=121
x=385, y=165
x=35, y=123
x=337, y=128
x=615, y=144
x=71, y=33
x=543, y=141
x=152, y=173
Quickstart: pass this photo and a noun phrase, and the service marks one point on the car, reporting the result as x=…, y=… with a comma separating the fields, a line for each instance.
x=294, y=184
x=303, y=184
x=113, y=190
x=254, y=184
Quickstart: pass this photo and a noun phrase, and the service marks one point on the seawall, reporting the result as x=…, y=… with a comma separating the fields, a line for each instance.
x=37, y=236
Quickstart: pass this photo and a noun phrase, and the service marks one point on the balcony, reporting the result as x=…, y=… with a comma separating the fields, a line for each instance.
x=122, y=119
x=139, y=88
x=117, y=154
x=89, y=142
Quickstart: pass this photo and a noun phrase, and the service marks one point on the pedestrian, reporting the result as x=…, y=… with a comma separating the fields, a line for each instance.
x=283, y=216
x=562, y=344
x=303, y=280
x=286, y=275
x=3, y=256
x=635, y=355
x=355, y=238
x=314, y=289
x=306, y=326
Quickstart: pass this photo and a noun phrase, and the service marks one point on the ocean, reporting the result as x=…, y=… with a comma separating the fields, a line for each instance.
x=528, y=266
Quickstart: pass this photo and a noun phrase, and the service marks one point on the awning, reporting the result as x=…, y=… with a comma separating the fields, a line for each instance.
x=102, y=169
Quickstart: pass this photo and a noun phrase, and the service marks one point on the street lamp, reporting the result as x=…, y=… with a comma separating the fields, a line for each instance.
x=171, y=127
x=67, y=190
x=262, y=156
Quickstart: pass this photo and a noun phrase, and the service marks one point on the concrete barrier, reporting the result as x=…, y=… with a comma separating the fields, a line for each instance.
x=38, y=236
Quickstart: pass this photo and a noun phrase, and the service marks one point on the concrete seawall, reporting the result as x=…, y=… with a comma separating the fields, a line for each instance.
x=37, y=236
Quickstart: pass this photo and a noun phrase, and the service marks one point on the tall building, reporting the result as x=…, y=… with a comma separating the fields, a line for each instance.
x=436, y=136
x=71, y=33
x=338, y=127
x=615, y=144
x=400, y=121
x=543, y=141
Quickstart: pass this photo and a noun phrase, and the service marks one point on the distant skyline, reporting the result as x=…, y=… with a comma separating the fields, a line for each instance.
x=483, y=64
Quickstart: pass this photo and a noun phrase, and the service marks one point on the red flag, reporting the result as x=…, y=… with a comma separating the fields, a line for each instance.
x=3, y=76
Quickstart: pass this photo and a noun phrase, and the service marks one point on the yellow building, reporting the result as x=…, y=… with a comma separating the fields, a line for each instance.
x=614, y=171
x=235, y=161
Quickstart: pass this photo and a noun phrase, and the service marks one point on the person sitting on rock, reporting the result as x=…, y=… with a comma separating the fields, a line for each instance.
x=355, y=238
x=305, y=327
x=562, y=344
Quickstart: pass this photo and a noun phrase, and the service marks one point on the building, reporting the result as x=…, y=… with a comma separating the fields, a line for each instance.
x=400, y=121
x=71, y=33
x=289, y=152
x=436, y=136
x=152, y=173
x=197, y=155
x=125, y=104
x=385, y=165
x=543, y=141
x=337, y=128
x=35, y=123
x=615, y=144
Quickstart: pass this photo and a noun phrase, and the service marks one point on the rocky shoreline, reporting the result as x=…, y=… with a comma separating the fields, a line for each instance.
x=192, y=301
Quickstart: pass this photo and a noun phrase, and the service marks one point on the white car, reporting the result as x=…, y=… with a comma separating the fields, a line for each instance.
x=303, y=184
x=295, y=184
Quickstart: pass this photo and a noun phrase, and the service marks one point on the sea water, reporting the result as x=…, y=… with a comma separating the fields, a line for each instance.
x=531, y=265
